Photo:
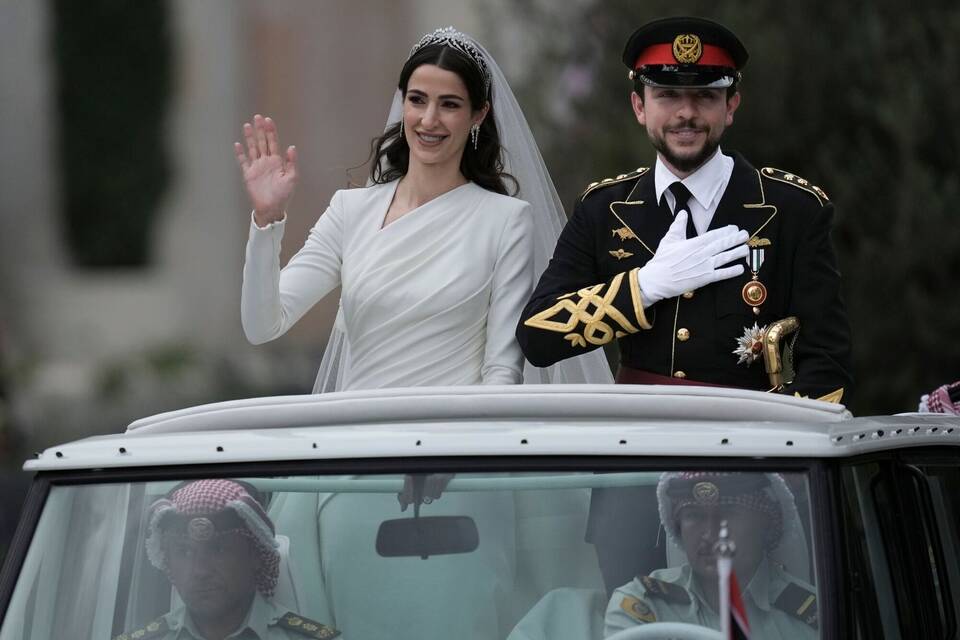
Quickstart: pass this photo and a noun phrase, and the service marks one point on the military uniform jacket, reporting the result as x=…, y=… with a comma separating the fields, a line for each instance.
x=589, y=293
x=265, y=621
x=778, y=605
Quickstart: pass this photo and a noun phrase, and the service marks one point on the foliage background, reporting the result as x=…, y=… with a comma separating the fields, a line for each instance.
x=112, y=98
x=860, y=98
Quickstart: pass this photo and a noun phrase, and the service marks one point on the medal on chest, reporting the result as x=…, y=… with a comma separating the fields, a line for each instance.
x=754, y=293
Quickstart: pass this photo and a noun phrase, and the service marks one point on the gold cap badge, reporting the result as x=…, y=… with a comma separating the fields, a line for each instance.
x=706, y=493
x=201, y=529
x=687, y=48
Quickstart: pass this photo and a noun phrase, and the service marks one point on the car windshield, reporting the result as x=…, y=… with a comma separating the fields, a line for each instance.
x=557, y=555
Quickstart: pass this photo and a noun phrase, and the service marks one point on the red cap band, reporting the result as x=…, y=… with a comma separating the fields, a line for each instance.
x=713, y=56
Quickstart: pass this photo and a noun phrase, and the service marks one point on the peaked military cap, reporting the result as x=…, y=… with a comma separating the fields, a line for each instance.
x=685, y=52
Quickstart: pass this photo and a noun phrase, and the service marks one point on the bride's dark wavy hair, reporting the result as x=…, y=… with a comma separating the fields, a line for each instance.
x=483, y=165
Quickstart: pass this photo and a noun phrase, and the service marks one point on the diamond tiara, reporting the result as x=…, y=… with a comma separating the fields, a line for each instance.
x=450, y=37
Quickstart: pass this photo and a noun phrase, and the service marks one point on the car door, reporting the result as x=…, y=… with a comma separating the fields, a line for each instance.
x=900, y=516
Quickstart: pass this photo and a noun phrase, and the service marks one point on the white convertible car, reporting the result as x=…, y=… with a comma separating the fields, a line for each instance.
x=559, y=512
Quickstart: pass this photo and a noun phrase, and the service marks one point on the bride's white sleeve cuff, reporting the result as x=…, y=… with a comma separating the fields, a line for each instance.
x=276, y=224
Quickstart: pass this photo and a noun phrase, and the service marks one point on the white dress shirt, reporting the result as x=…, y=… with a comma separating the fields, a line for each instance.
x=707, y=185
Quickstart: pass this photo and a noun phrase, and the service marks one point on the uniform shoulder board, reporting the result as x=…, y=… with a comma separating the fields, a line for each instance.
x=666, y=591
x=307, y=627
x=153, y=629
x=799, y=602
x=785, y=176
x=606, y=182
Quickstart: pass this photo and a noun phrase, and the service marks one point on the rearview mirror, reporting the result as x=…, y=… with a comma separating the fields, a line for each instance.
x=427, y=536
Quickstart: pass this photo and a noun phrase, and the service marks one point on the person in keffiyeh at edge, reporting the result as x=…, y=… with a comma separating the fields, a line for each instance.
x=218, y=548
x=760, y=512
x=943, y=399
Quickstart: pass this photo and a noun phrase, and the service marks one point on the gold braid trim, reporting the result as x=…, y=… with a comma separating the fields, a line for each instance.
x=638, y=300
x=791, y=178
x=606, y=182
x=596, y=329
x=834, y=396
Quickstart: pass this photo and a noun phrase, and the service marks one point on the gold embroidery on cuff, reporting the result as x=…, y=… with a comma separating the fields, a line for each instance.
x=834, y=396
x=595, y=330
x=638, y=300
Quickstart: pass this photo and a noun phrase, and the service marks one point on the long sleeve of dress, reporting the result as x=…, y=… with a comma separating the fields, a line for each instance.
x=271, y=299
x=512, y=283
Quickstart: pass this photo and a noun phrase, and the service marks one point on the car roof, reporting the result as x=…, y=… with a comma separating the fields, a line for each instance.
x=501, y=420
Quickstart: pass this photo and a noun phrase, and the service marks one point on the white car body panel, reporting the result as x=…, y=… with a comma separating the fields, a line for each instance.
x=540, y=420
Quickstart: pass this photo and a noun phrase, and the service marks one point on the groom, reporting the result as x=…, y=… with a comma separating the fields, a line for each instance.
x=686, y=263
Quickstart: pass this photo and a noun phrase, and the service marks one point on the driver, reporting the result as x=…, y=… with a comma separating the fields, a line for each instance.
x=217, y=547
x=692, y=506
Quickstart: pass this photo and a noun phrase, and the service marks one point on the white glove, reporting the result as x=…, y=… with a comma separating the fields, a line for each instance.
x=683, y=264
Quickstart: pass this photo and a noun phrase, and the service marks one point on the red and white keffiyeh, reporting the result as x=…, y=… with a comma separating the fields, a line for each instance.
x=208, y=498
x=943, y=399
x=723, y=488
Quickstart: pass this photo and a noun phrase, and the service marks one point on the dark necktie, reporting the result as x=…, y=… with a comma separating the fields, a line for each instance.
x=682, y=196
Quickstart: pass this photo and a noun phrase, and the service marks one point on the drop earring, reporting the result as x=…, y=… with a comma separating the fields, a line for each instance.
x=474, y=134
x=401, y=127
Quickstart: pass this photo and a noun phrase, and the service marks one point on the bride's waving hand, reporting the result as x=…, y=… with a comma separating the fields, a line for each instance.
x=269, y=176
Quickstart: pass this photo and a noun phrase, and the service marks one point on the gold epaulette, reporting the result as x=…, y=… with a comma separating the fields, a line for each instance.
x=606, y=182
x=306, y=626
x=790, y=178
x=665, y=590
x=799, y=602
x=154, y=629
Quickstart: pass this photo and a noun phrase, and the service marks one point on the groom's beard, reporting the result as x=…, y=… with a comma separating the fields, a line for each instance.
x=690, y=160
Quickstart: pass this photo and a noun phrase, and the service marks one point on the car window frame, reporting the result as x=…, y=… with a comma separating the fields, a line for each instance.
x=910, y=463
x=855, y=561
x=907, y=566
x=30, y=512
x=826, y=574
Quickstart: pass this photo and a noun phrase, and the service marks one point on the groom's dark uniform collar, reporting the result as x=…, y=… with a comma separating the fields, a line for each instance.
x=743, y=204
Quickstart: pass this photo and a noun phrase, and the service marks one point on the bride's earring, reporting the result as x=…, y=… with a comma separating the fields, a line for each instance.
x=401, y=127
x=474, y=134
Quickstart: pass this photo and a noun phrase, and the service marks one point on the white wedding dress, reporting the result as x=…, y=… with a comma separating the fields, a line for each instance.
x=431, y=299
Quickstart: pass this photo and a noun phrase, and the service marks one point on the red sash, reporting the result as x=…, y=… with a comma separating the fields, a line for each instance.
x=629, y=375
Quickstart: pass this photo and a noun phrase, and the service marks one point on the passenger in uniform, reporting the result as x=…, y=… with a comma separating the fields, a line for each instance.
x=217, y=546
x=692, y=506
x=687, y=263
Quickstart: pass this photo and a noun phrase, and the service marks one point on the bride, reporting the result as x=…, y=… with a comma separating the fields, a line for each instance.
x=436, y=261
x=434, y=258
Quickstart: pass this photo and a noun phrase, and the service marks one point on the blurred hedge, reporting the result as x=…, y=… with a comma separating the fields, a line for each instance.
x=113, y=61
x=860, y=98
